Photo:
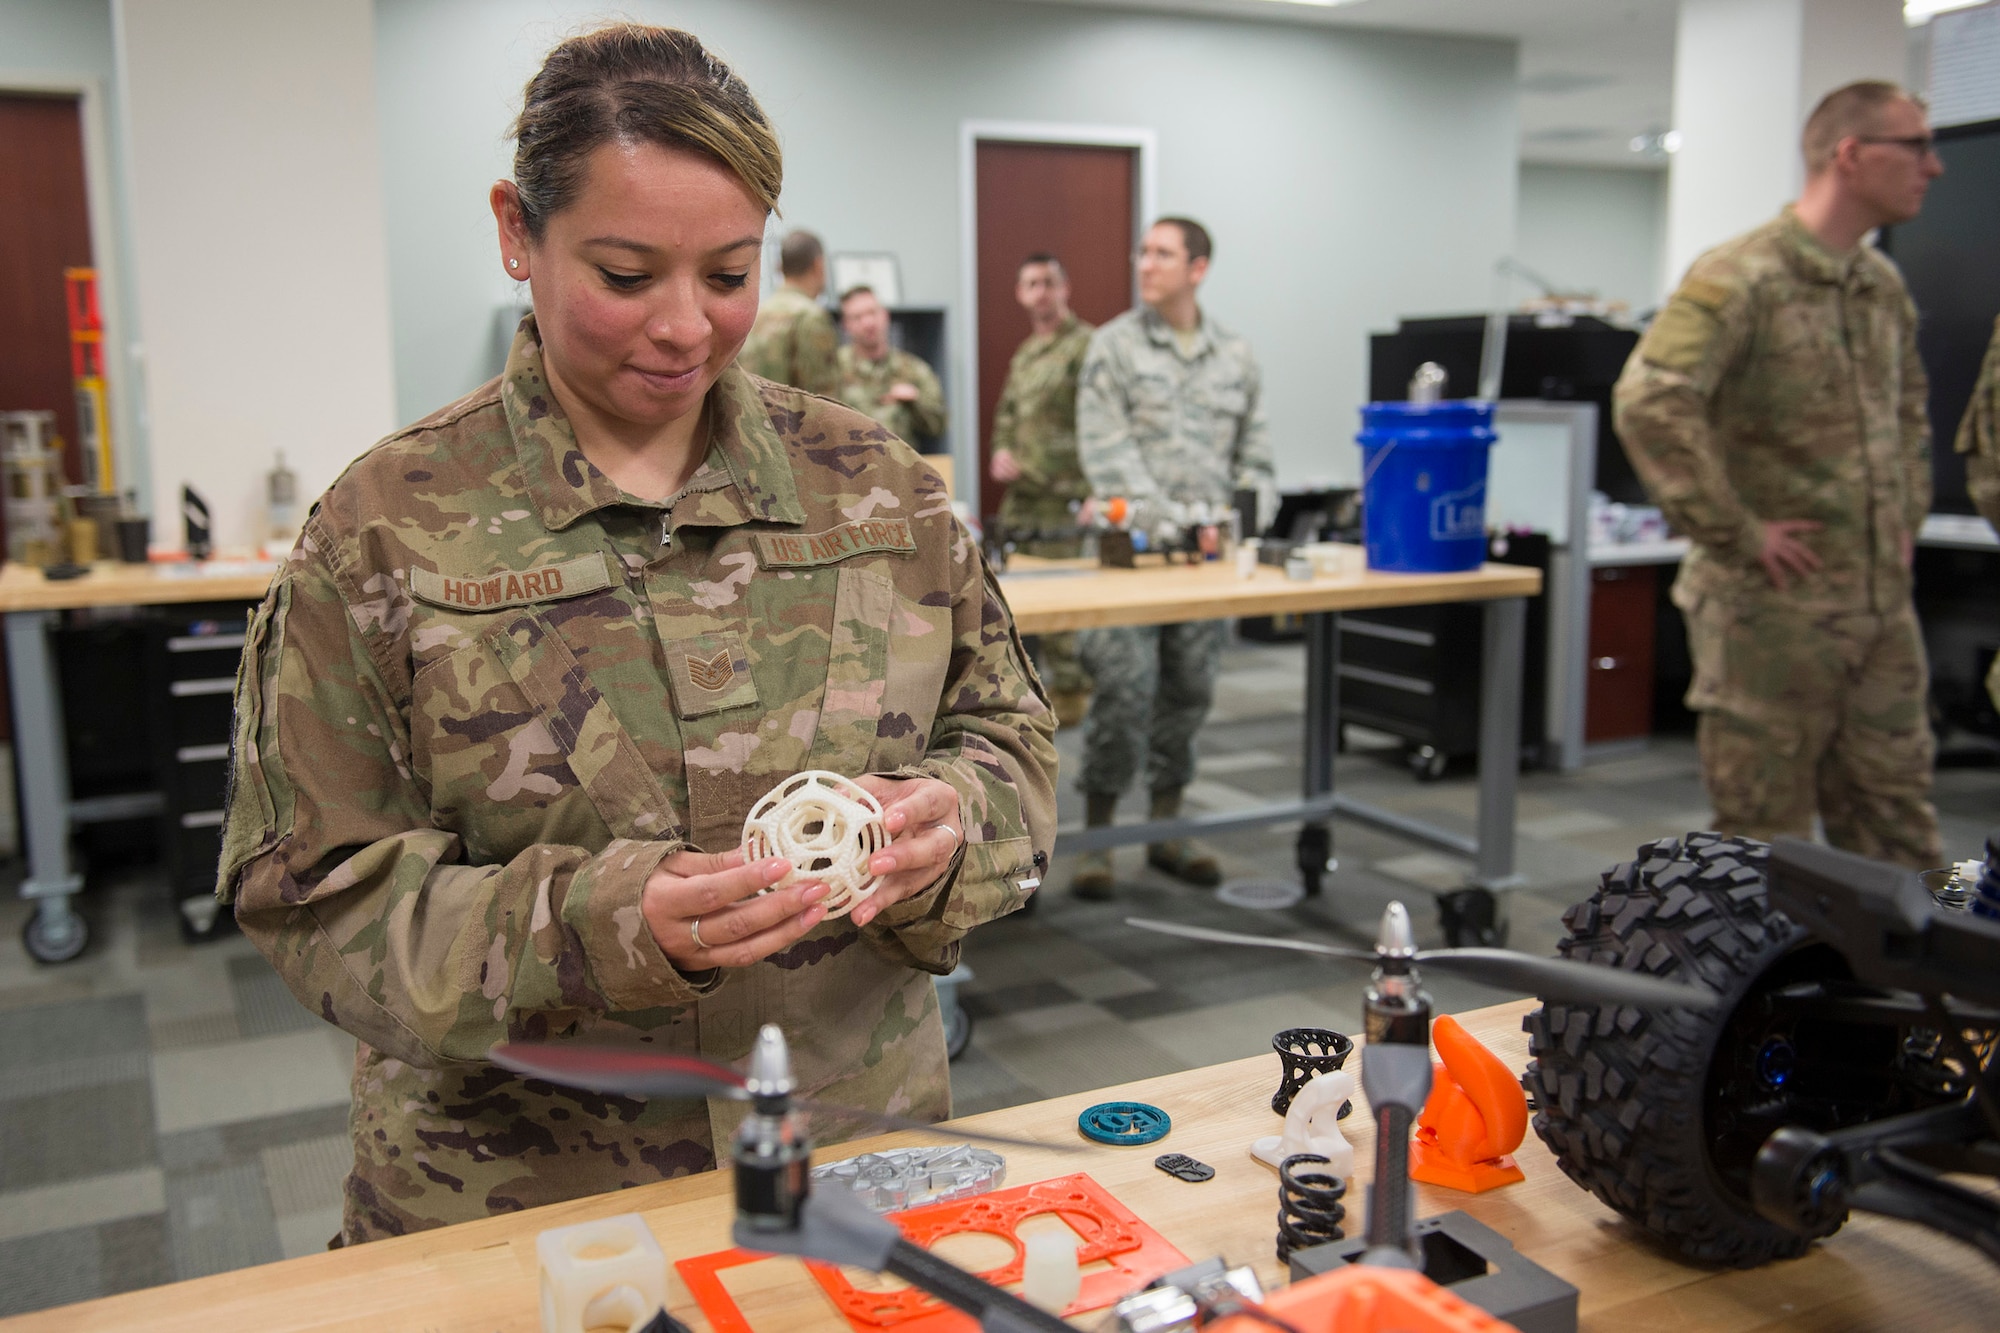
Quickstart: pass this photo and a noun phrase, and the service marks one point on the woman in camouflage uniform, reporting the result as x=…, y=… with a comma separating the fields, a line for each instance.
x=534, y=657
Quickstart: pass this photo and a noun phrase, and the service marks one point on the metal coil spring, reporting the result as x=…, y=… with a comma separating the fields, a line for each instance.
x=1309, y=1207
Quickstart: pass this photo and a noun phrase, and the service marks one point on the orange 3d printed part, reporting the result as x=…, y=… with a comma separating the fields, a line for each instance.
x=1366, y=1300
x=1476, y=1115
x=1107, y=1230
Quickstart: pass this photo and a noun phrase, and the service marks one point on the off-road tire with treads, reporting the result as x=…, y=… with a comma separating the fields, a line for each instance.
x=1620, y=1090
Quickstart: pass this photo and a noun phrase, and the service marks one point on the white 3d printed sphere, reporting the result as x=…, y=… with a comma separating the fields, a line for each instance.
x=828, y=827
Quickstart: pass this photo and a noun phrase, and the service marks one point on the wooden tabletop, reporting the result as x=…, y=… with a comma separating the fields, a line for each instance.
x=480, y=1277
x=109, y=583
x=1050, y=596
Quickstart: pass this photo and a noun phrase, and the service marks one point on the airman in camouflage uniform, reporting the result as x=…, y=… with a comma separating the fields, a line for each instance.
x=1167, y=414
x=1780, y=385
x=1979, y=441
x=865, y=384
x=489, y=693
x=1034, y=426
x=793, y=340
x=794, y=343
x=1035, y=421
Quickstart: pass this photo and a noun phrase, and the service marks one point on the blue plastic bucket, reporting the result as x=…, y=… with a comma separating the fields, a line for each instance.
x=1423, y=485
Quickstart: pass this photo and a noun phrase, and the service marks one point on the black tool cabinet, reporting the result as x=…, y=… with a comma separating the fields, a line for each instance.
x=149, y=700
x=1413, y=671
x=191, y=655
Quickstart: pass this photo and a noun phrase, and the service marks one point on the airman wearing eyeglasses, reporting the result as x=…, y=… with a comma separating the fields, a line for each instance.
x=1776, y=411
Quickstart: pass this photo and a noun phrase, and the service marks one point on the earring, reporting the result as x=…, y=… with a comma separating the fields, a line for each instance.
x=513, y=263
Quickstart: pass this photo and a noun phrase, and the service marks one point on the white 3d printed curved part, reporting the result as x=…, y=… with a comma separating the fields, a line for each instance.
x=828, y=827
x=608, y=1272
x=1313, y=1125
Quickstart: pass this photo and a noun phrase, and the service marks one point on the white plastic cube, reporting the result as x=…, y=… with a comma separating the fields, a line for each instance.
x=607, y=1272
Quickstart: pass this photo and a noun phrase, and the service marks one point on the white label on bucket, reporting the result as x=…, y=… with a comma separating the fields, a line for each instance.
x=1460, y=515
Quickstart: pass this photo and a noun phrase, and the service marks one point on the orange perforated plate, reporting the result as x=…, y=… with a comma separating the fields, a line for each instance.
x=1134, y=1253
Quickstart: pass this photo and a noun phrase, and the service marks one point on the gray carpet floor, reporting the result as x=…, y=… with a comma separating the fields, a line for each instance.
x=168, y=1111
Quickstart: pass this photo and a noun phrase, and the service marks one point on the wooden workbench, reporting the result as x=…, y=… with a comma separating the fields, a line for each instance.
x=1050, y=596
x=109, y=583
x=480, y=1277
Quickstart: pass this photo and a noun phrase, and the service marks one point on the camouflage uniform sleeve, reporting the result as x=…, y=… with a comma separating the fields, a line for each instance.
x=994, y=742
x=814, y=355
x=1105, y=443
x=1661, y=407
x=1005, y=413
x=369, y=911
x=927, y=412
x=1254, y=471
x=1979, y=435
x=1914, y=414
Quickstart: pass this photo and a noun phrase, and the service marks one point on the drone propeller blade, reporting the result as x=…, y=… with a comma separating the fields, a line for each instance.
x=884, y=1120
x=1549, y=978
x=620, y=1071
x=624, y=1072
x=1254, y=941
x=1566, y=979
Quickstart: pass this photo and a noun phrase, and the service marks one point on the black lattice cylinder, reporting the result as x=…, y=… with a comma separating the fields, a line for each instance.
x=1306, y=1051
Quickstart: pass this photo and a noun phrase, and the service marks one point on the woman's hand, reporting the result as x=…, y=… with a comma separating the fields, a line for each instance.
x=704, y=909
x=925, y=830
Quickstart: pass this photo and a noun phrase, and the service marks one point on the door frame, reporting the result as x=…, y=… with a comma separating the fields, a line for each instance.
x=121, y=368
x=1145, y=142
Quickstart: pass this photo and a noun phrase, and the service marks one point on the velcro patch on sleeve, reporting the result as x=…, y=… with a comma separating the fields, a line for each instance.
x=795, y=550
x=1681, y=334
x=512, y=587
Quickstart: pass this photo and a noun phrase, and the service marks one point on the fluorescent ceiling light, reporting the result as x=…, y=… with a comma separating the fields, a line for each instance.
x=1921, y=11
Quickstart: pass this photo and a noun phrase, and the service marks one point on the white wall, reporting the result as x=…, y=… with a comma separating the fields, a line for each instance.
x=1746, y=74
x=258, y=240
x=1349, y=177
x=1594, y=229
x=67, y=44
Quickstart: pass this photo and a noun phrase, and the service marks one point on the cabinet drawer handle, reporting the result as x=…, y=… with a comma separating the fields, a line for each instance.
x=1606, y=664
x=201, y=754
x=182, y=689
x=1389, y=679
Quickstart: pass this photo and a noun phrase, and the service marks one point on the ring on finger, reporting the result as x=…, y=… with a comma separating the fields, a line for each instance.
x=694, y=932
x=955, y=839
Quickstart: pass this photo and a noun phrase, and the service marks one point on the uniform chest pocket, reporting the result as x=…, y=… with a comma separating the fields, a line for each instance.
x=1228, y=401
x=577, y=719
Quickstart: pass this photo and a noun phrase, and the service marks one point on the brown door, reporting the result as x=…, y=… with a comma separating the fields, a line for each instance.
x=1076, y=202
x=44, y=228
x=1618, y=699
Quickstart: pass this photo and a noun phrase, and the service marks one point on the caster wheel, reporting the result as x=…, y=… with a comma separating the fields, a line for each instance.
x=957, y=1032
x=45, y=945
x=1470, y=918
x=1428, y=763
x=1315, y=851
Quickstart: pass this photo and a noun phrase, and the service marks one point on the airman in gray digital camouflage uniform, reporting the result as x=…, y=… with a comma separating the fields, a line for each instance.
x=1776, y=411
x=1979, y=441
x=1168, y=413
x=794, y=341
x=501, y=718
